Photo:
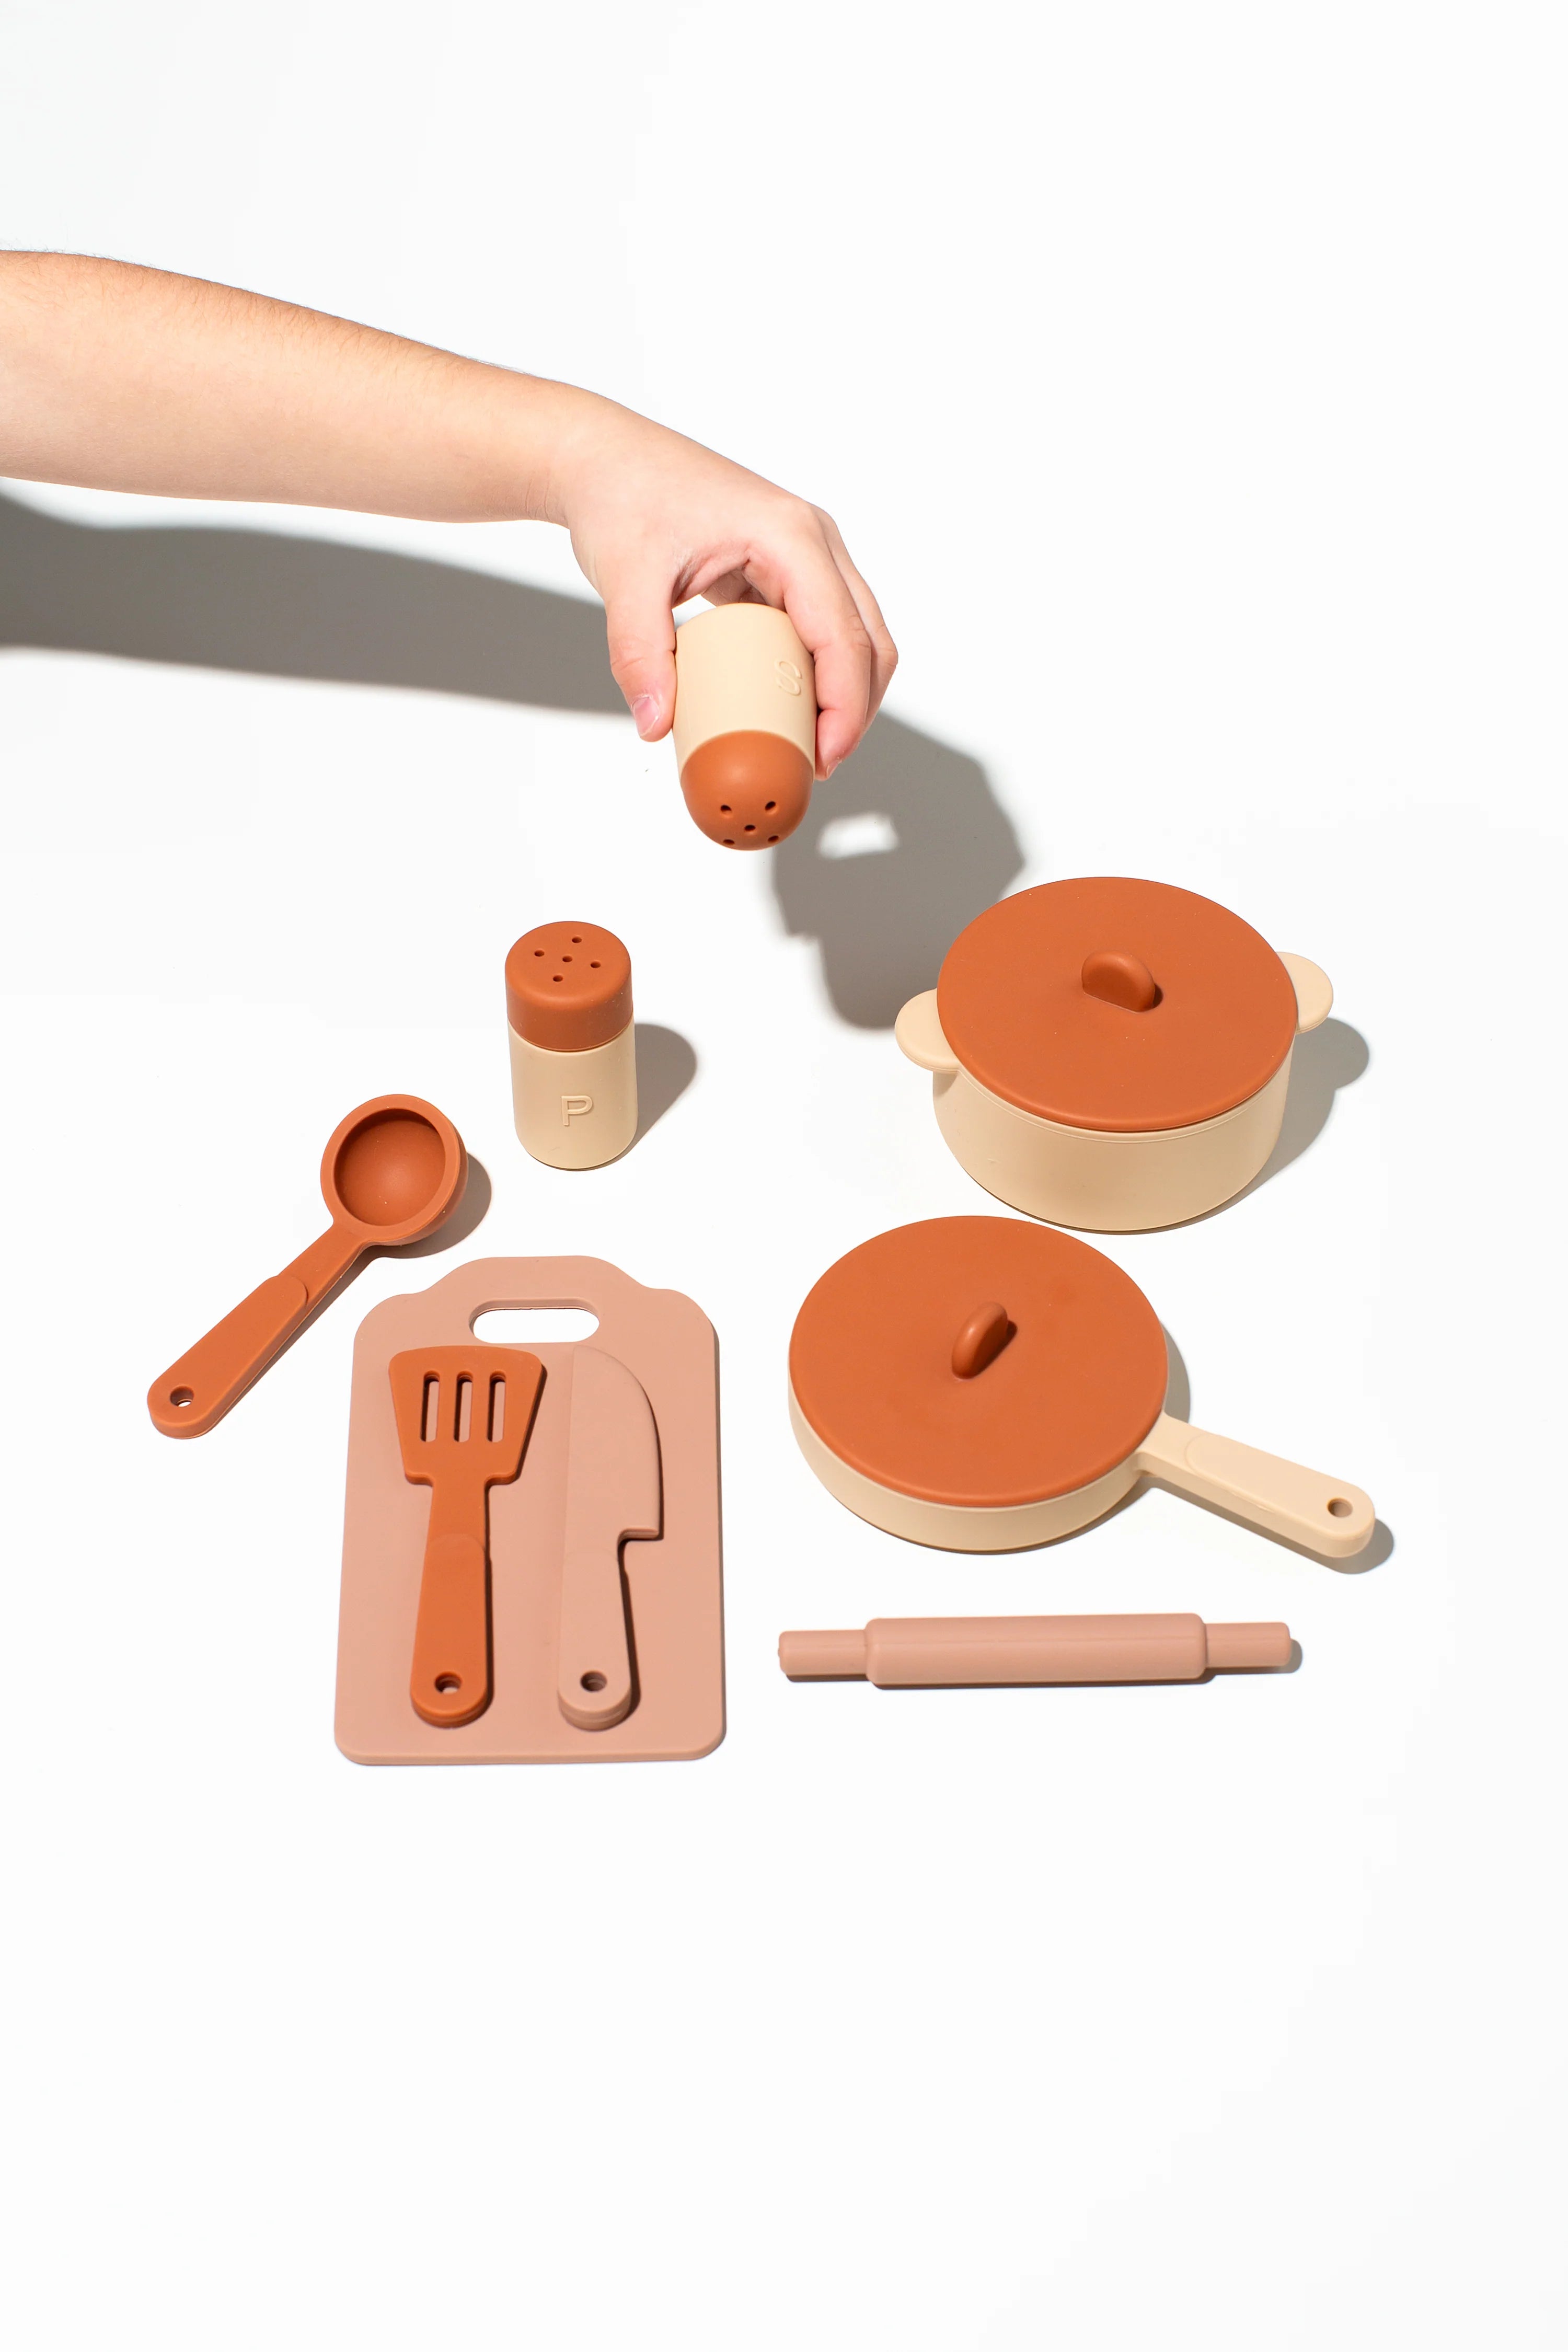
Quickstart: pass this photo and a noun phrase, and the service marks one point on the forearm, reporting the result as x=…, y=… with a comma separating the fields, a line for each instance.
x=126, y=379
x=129, y=378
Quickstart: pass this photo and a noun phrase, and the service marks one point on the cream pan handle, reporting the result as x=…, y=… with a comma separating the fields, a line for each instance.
x=1281, y=1499
x=919, y=1038
x=1314, y=991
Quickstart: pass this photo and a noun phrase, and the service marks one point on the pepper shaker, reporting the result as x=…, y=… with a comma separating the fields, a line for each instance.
x=574, y=1054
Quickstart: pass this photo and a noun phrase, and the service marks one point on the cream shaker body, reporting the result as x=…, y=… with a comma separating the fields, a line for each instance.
x=573, y=1048
x=746, y=724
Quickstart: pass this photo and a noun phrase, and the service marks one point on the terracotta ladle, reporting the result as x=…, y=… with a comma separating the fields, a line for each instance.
x=392, y=1172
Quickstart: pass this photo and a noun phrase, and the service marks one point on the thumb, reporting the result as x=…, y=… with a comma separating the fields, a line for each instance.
x=640, y=627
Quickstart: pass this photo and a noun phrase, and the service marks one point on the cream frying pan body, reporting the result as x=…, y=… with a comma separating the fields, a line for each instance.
x=1073, y=1408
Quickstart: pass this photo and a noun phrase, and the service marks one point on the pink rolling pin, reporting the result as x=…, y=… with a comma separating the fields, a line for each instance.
x=924, y=1653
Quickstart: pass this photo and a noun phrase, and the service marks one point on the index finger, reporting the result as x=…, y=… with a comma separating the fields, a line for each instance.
x=816, y=595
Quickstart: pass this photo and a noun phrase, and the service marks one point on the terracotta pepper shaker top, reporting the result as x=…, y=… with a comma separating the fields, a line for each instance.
x=573, y=1055
x=746, y=724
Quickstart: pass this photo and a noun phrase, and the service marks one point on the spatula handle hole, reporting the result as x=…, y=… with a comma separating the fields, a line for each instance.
x=593, y=1682
x=447, y=1683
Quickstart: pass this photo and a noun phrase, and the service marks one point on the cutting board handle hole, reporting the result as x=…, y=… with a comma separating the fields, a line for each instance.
x=528, y=1327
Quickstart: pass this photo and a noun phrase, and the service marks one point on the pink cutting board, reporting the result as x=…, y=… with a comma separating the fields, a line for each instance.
x=675, y=1584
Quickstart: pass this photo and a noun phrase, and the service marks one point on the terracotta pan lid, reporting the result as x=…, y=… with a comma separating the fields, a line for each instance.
x=1117, y=1005
x=978, y=1362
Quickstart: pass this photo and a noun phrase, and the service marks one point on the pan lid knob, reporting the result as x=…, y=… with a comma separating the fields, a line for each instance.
x=1117, y=978
x=982, y=1340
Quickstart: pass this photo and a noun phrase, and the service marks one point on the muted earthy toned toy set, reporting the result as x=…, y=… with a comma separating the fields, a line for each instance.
x=531, y=1558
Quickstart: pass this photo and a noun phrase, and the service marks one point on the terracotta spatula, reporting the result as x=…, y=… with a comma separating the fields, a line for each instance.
x=464, y=1414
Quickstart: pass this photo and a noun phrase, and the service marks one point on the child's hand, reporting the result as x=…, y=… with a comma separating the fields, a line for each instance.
x=655, y=518
x=132, y=379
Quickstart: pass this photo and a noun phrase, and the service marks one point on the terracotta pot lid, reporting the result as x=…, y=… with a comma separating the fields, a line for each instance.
x=1115, y=1004
x=978, y=1362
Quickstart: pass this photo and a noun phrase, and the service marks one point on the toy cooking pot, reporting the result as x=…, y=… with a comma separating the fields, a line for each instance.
x=1112, y=1054
x=982, y=1384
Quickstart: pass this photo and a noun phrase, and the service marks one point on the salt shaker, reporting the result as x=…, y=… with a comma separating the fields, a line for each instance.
x=746, y=724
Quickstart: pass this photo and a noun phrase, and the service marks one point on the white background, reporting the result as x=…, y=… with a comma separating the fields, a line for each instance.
x=1190, y=384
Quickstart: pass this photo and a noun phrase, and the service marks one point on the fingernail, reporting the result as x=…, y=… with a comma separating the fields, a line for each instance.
x=645, y=712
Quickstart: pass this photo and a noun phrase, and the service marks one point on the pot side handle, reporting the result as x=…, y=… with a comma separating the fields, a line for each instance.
x=1314, y=991
x=1324, y=1514
x=920, y=1038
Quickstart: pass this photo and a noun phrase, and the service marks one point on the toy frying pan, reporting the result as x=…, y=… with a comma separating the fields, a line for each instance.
x=982, y=1384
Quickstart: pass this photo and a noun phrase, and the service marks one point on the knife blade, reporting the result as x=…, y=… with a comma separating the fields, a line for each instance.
x=613, y=1492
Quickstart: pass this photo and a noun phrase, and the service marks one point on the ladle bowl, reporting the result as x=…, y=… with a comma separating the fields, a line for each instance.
x=393, y=1172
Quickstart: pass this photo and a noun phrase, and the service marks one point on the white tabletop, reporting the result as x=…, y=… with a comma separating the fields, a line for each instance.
x=1191, y=390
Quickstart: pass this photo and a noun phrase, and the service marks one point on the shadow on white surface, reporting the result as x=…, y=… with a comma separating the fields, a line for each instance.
x=667, y=1063
x=1325, y=1060
x=883, y=897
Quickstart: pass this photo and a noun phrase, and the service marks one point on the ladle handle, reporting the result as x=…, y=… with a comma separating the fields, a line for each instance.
x=194, y=1393
x=1324, y=1514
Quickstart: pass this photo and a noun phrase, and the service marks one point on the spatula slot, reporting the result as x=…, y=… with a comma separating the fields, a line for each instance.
x=431, y=1412
x=463, y=1418
x=498, y=1408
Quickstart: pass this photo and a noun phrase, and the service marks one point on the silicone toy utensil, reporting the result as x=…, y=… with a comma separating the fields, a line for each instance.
x=982, y=1384
x=926, y=1653
x=1111, y=1053
x=673, y=1588
x=392, y=1172
x=744, y=724
x=463, y=1420
x=573, y=1044
x=612, y=1493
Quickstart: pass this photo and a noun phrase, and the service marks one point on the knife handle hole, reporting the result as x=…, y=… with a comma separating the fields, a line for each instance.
x=447, y=1683
x=593, y=1682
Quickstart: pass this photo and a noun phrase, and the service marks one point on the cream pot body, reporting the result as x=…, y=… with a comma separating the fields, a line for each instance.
x=1112, y=1054
x=572, y=1044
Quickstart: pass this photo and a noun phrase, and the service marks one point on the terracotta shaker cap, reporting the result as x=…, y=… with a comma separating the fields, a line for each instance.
x=568, y=987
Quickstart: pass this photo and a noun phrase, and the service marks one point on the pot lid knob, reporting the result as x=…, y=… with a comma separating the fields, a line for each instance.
x=982, y=1340
x=1117, y=978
